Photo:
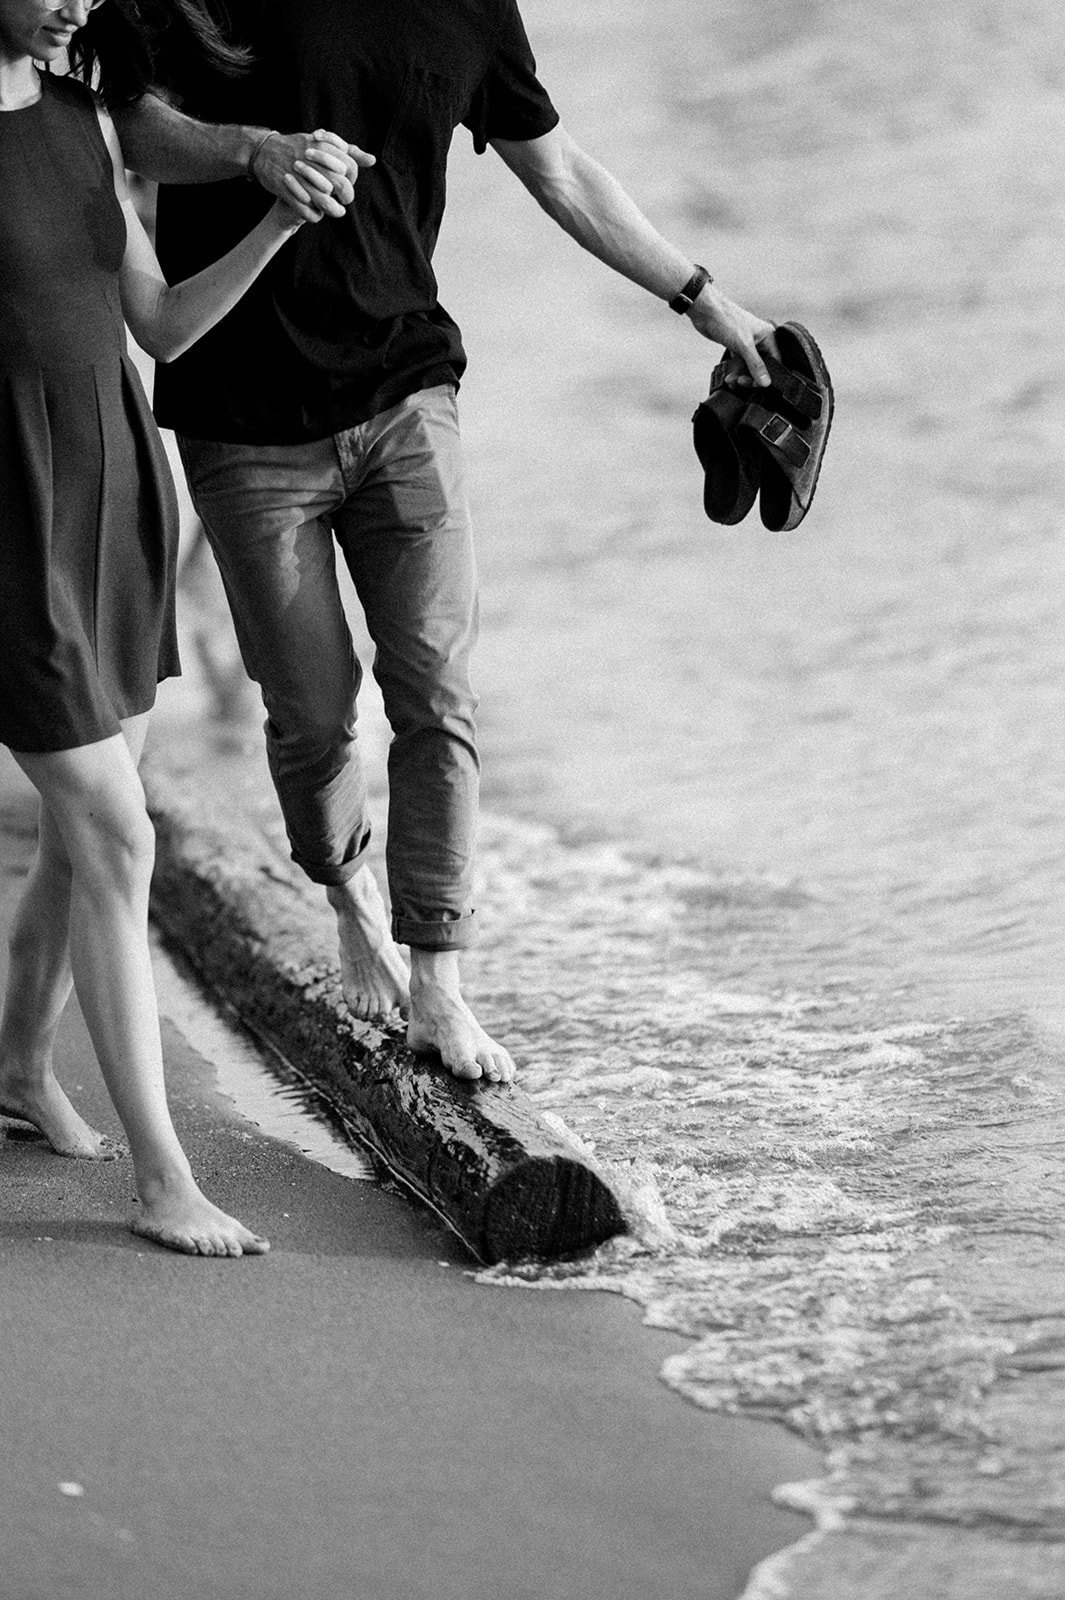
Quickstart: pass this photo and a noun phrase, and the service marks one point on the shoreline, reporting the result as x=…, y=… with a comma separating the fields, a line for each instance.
x=801, y=1194
x=370, y=1418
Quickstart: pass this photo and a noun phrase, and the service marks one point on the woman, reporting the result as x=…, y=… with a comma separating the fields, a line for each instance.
x=88, y=534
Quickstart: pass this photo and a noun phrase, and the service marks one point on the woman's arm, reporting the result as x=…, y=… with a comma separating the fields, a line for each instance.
x=166, y=319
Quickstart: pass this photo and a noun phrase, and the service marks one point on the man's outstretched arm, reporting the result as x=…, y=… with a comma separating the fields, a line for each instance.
x=590, y=204
x=314, y=172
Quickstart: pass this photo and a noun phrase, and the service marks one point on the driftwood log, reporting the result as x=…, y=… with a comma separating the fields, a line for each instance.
x=242, y=917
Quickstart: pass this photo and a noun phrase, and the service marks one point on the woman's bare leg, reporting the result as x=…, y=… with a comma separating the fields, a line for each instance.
x=38, y=988
x=96, y=802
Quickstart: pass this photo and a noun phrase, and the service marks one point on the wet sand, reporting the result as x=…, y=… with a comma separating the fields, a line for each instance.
x=352, y=1415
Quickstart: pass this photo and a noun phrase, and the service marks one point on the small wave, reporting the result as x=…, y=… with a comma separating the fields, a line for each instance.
x=854, y=1218
x=772, y=1579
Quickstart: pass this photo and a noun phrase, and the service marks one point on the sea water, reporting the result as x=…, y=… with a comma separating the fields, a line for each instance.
x=773, y=863
x=779, y=929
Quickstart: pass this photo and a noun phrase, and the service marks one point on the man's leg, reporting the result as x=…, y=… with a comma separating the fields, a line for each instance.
x=266, y=510
x=405, y=533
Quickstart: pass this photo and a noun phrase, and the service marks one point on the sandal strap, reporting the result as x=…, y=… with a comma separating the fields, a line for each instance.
x=797, y=392
x=717, y=378
x=782, y=437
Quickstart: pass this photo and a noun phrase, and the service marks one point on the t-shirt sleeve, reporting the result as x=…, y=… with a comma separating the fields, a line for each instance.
x=510, y=102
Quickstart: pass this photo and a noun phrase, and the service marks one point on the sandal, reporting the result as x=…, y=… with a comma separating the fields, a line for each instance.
x=729, y=461
x=787, y=425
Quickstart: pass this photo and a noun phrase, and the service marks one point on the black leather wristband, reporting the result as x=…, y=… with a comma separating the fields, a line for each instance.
x=691, y=291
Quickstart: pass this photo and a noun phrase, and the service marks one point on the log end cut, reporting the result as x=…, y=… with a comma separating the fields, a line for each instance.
x=545, y=1209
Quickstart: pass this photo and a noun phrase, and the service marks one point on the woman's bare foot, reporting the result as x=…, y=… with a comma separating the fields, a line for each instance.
x=41, y=1102
x=441, y=1020
x=176, y=1215
x=372, y=971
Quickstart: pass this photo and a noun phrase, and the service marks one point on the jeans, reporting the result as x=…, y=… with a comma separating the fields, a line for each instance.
x=390, y=491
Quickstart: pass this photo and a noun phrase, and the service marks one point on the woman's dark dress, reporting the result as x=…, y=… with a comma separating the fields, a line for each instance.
x=88, y=519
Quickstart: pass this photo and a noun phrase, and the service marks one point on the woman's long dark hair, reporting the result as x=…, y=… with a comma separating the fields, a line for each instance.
x=129, y=46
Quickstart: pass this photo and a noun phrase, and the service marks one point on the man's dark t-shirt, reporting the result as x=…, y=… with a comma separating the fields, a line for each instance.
x=344, y=322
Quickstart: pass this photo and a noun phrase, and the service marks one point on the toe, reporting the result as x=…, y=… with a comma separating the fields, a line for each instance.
x=501, y=1068
x=171, y=1240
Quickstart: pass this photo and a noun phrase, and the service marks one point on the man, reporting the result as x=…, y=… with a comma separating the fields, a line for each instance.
x=323, y=409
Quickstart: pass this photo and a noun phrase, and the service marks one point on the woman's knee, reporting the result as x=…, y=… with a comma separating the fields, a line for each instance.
x=97, y=812
x=107, y=833
x=116, y=845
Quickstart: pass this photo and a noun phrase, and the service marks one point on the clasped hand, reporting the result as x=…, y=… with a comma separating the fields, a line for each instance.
x=313, y=173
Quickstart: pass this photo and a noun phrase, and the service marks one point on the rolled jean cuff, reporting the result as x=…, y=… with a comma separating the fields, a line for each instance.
x=452, y=933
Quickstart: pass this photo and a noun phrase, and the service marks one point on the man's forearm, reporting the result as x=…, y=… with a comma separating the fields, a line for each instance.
x=593, y=208
x=161, y=143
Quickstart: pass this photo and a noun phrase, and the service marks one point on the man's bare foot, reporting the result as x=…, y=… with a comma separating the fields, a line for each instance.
x=441, y=1020
x=372, y=971
x=177, y=1216
x=41, y=1102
